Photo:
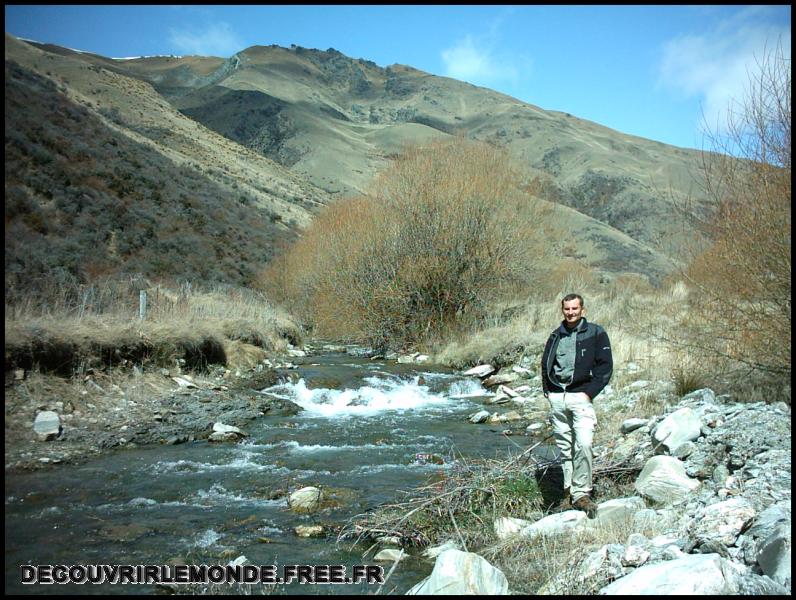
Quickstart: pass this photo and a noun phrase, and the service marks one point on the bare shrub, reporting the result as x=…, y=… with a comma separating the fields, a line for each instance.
x=444, y=231
x=742, y=309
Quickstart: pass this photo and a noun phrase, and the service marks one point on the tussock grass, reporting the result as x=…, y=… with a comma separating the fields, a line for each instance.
x=98, y=326
x=463, y=503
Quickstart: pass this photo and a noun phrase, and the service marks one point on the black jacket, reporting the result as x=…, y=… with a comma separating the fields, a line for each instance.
x=593, y=360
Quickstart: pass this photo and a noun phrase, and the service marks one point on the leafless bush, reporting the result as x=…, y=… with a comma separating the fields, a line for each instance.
x=742, y=309
x=444, y=231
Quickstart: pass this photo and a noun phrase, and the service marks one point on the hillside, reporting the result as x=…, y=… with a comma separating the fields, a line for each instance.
x=104, y=176
x=293, y=128
x=335, y=120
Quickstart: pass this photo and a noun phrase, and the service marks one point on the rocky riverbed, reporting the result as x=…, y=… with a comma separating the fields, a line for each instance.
x=94, y=415
x=709, y=511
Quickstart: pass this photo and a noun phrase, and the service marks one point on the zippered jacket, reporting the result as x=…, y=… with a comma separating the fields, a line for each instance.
x=593, y=360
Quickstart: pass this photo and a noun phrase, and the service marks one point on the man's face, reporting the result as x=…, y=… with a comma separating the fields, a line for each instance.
x=573, y=311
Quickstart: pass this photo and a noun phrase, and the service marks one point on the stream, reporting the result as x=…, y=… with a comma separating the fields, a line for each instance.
x=363, y=432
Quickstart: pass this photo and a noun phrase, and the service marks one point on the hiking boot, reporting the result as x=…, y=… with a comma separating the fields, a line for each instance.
x=586, y=504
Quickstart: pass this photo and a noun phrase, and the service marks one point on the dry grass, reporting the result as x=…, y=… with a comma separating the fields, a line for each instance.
x=552, y=565
x=462, y=505
x=93, y=327
x=463, y=502
x=629, y=313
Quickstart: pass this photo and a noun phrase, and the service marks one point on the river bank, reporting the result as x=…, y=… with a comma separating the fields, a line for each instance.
x=125, y=409
x=368, y=429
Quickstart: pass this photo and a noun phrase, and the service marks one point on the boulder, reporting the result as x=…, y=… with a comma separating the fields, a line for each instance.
x=568, y=521
x=435, y=551
x=629, y=425
x=481, y=370
x=721, y=522
x=663, y=479
x=390, y=555
x=307, y=499
x=693, y=574
x=226, y=433
x=774, y=556
x=682, y=426
x=47, y=425
x=499, y=379
x=222, y=428
x=480, y=417
x=457, y=572
x=618, y=511
x=306, y=531
x=508, y=526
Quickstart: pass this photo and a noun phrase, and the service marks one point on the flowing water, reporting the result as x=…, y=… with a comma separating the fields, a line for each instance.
x=363, y=426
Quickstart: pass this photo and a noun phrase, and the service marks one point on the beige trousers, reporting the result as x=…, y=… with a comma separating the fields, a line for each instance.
x=573, y=419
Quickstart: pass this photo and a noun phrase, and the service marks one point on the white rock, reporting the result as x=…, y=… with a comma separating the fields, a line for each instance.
x=238, y=562
x=307, y=531
x=569, y=521
x=618, y=511
x=184, y=383
x=682, y=426
x=480, y=417
x=693, y=574
x=457, y=572
x=306, y=499
x=435, y=551
x=508, y=526
x=222, y=428
x=663, y=479
x=47, y=425
x=481, y=370
x=635, y=556
x=722, y=522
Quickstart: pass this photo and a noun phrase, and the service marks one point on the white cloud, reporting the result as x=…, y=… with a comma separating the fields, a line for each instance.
x=476, y=59
x=715, y=66
x=215, y=40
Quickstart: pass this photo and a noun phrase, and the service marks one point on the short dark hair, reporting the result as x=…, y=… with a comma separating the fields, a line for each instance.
x=569, y=297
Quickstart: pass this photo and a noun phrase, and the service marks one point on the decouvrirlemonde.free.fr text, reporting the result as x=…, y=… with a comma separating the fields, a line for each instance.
x=192, y=574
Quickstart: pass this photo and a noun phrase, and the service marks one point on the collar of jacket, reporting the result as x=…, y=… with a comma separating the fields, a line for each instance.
x=579, y=328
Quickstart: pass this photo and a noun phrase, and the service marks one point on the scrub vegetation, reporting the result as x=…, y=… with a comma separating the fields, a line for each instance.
x=743, y=276
x=446, y=231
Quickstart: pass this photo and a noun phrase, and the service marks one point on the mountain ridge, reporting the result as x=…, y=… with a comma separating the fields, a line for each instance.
x=297, y=128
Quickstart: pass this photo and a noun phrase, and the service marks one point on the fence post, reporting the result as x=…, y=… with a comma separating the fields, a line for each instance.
x=142, y=304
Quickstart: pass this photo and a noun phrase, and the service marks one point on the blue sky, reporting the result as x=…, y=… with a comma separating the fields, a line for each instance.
x=659, y=72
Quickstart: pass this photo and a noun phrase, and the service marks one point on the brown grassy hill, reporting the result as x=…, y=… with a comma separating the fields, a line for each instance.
x=104, y=176
x=336, y=120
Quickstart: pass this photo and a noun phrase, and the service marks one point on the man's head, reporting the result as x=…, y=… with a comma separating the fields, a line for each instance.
x=572, y=308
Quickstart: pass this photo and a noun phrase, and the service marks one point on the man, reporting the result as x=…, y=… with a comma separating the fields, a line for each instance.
x=576, y=366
